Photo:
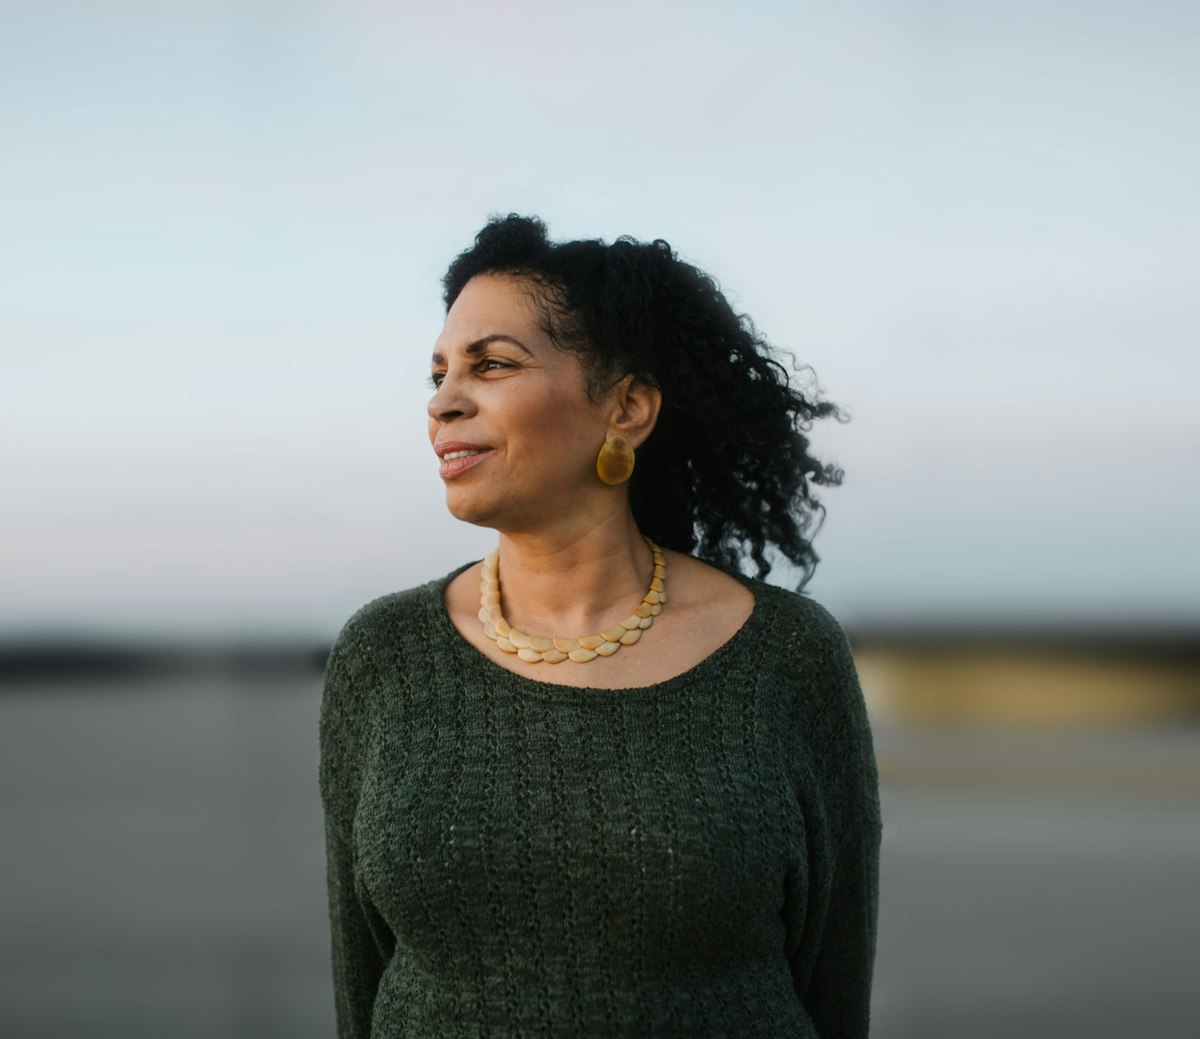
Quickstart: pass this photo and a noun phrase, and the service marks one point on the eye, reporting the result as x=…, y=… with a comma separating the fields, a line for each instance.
x=488, y=364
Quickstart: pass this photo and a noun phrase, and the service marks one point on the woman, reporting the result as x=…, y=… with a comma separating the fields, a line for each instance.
x=669, y=824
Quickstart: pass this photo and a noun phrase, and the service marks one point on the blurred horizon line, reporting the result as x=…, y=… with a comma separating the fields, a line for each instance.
x=60, y=655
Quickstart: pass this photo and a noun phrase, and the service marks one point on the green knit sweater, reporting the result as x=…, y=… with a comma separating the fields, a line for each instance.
x=508, y=857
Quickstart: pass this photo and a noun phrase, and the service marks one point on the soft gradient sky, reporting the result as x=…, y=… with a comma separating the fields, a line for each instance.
x=224, y=226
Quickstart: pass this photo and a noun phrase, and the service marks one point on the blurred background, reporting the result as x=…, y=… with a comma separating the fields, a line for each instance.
x=224, y=229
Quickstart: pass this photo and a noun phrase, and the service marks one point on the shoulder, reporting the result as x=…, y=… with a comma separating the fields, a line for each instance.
x=809, y=627
x=799, y=624
x=829, y=715
x=381, y=612
x=807, y=646
x=374, y=641
x=797, y=632
x=371, y=649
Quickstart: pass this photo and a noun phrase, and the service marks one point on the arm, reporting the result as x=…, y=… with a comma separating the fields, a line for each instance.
x=361, y=944
x=837, y=993
x=833, y=964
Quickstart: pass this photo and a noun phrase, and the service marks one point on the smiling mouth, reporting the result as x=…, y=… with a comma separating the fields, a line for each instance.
x=455, y=462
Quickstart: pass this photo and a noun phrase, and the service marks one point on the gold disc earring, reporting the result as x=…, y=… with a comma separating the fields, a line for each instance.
x=614, y=464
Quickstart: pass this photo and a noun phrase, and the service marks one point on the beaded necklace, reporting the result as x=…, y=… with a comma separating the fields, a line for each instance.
x=555, y=649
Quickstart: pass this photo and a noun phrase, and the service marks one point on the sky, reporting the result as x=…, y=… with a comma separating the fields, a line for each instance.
x=225, y=225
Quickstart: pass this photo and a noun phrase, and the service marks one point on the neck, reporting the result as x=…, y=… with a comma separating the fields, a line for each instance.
x=574, y=580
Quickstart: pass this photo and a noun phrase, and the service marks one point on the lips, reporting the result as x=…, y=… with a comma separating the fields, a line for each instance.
x=458, y=458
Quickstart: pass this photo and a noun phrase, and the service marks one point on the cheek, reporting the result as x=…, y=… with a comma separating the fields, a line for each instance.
x=563, y=428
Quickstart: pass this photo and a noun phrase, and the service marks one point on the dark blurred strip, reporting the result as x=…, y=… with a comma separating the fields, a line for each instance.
x=52, y=662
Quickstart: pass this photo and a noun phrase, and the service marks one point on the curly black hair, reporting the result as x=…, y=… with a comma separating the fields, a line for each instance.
x=726, y=472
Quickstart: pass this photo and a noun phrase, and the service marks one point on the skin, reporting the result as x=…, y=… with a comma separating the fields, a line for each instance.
x=571, y=556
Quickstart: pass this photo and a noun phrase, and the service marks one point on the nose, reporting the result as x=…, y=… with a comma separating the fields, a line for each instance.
x=450, y=400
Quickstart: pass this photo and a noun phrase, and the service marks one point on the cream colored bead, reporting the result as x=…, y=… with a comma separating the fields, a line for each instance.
x=591, y=641
x=660, y=571
x=503, y=627
x=607, y=649
x=643, y=610
x=518, y=638
x=483, y=615
x=505, y=645
x=656, y=585
x=565, y=645
x=493, y=598
x=630, y=637
x=582, y=656
x=613, y=634
x=652, y=597
x=532, y=655
x=540, y=643
x=655, y=610
x=645, y=622
x=554, y=656
x=489, y=629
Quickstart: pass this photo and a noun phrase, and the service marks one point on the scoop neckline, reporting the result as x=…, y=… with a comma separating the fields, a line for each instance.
x=597, y=694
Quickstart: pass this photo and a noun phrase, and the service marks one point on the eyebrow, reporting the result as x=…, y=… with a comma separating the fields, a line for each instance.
x=477, y=347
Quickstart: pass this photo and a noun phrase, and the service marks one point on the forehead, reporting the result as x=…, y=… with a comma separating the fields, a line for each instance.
x=491, y=305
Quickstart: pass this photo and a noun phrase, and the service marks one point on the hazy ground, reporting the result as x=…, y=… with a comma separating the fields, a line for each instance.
x=163, y=872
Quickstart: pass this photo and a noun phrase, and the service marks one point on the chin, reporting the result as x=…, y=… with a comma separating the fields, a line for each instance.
x=463, y=507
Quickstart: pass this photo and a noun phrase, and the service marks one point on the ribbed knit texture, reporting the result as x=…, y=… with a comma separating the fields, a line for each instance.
x=508, y=857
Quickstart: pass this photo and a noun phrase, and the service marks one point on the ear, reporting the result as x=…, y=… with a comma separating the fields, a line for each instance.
x=634, y=408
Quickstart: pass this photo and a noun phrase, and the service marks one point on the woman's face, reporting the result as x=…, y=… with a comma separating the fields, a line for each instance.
x=505, y=391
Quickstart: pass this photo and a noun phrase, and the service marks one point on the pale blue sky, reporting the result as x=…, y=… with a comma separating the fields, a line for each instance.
x=225, y=224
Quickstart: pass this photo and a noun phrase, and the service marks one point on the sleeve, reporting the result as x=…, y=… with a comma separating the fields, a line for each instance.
x=833, y=960
x=361, y=943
